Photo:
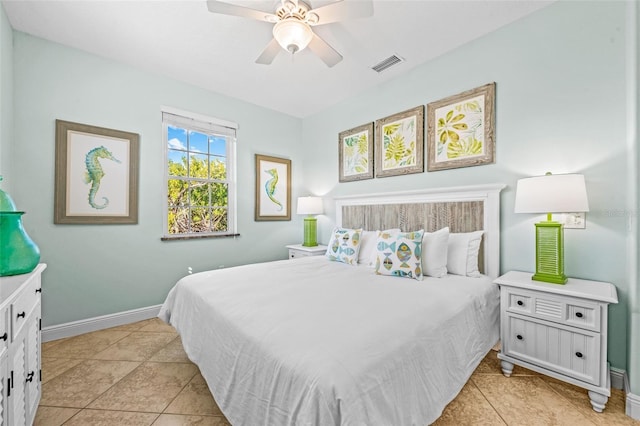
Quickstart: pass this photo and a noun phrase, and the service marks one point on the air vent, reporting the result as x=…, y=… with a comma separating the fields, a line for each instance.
x=386, y=63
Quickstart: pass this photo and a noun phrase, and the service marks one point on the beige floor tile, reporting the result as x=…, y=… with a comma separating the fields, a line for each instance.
x=81, y=384
x=53, y=416
x=111, y=418
x=528, y=401
x=136, y=346
x=180, y=420
x=469, y=408
x=195, y=398
x=491, y=365
x=173, y=352
x=85, y=345
x=151, y=387
x=157, y=325
x=53, y=367
x=614, y=412
x=53, y=343
x=134, y=326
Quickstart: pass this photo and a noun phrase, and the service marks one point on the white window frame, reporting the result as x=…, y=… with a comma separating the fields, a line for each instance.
x=208, y=125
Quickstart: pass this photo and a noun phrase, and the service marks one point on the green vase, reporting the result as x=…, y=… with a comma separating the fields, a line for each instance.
x=18, y=253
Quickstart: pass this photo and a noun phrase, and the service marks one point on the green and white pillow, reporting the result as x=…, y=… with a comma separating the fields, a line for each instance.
x=344, y=245
x=399, y=254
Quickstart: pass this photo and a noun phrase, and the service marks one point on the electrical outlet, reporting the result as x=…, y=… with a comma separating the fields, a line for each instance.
x=189, y=270
x=574, y=220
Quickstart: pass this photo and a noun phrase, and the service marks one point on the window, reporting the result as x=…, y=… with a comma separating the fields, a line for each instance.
x=200, y=175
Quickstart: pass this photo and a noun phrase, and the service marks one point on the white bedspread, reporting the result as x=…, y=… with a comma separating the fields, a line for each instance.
x=314, y=342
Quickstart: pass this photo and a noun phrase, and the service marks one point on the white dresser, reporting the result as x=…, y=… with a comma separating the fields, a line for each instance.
x=298, y=250
x=558, y=330
x=20, y=374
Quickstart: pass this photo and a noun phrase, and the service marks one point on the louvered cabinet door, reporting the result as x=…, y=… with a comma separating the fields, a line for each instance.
x=17, y=376
x=32, y=372
x=4, y=380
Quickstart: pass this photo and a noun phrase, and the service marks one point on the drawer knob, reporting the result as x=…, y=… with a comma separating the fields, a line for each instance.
x=38, y=290
x=579, y=354
x=21, y=314
x=520, y=302
x=519, y=337
x=579, y=314
x=4, y=336
x=30, y=376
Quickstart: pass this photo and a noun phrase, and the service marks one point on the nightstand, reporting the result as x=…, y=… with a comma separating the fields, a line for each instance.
x=557, y=330
x=298, y=250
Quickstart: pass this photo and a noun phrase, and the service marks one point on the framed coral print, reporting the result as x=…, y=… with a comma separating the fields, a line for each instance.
x=273, y=188
x=460, y=129
x=355, y=153
x=96, y=175
x=400, y=143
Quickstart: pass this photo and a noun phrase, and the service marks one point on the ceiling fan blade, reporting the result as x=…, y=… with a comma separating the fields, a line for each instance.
x=269, y=53
x=344, y=9
x=217, y=6
x=325, y=52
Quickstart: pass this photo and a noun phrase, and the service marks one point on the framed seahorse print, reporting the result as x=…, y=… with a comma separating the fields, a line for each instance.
x=96, y=175
x=273, y=188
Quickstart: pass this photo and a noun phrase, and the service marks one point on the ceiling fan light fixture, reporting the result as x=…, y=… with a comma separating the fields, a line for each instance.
x=292, y=34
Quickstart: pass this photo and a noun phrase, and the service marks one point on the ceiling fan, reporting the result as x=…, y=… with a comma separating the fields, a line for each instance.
x=293, y=20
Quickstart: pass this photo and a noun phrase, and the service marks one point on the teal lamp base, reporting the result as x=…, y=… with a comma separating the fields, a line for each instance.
x=310, y=232
x=550, y=253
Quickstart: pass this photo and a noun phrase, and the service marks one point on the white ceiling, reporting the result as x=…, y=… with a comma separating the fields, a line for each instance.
x=183, y=40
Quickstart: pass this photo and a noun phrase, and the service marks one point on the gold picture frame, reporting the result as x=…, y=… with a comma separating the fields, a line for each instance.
x=400, y=143
x=273, y=188
x=96, y=175
x=355, y=153
x=461, y=129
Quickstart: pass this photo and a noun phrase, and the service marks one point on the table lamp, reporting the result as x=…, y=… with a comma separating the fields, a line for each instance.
x=564, y=193
x=310, y=206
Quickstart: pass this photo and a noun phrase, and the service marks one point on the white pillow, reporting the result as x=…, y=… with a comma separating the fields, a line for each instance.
x=435, y=253
x=462, y=256
x=368, y=241
x=344, y=245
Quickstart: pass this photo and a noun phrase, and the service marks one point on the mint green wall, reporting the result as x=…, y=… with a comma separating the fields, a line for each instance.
x=633, y=79
x=6, y=99
x=96, y=270
x=560, y=107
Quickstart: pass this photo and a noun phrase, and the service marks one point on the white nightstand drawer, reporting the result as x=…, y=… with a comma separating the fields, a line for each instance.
x=563, y=310
x=561, y=349
x=294, y=254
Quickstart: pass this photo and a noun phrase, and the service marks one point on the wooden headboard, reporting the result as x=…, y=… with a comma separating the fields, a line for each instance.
x=462, y=209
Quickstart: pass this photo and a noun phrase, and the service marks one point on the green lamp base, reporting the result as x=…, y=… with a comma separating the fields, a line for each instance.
x=310, y=232
x=550, y=253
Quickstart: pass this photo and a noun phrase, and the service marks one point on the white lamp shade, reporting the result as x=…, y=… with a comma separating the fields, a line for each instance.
x=293, y=35
x=309, y=205
x=564, y=193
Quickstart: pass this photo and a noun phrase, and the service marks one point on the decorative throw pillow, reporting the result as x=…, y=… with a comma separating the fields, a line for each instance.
x=399, y=254
x=368, y=241
x=344, y=245
x=434, y=253
x=462, y=256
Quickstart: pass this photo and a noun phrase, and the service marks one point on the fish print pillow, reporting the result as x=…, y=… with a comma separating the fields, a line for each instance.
x=344, y=245
x=399, y=254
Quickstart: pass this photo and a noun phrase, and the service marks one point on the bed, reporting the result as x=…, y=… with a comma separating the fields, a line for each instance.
x=317, y=342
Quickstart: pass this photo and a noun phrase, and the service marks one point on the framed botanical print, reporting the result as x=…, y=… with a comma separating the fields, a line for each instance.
x=461, y=129
x=355, y=153
x=273, y=188
x=400, y=143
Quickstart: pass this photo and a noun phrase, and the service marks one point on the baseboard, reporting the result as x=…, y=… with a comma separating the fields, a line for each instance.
x=633, y=406
x=75, y=328
x=618, y=378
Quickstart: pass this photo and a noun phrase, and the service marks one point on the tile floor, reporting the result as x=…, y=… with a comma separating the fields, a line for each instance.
x=138, y=374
